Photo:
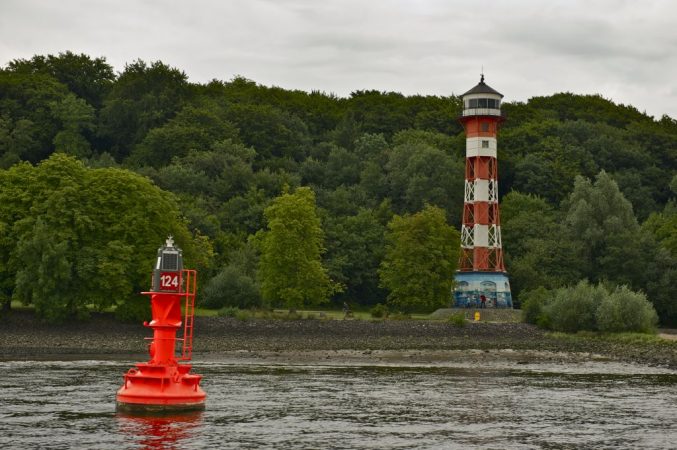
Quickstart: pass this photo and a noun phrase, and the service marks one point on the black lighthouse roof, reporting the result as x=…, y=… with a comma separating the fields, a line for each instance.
x=482, y=88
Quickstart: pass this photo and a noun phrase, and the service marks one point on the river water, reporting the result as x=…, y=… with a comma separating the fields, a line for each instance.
x=502, y=405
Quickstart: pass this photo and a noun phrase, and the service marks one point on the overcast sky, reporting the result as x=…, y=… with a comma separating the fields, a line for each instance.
x=623, y=50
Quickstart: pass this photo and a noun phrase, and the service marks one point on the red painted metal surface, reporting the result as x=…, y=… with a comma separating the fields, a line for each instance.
x=163, y=383
x=481, y=258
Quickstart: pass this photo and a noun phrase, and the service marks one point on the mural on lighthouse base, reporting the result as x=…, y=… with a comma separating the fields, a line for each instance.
x=481, y=280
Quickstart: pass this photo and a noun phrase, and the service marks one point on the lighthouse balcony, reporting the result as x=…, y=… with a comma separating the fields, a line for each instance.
x=482, y=112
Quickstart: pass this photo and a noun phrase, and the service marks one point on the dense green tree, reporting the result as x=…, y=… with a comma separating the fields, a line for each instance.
x=535, y=254
x=227, y=148
x=16, y=139
x=663, y=225
x=27, y=110
x=143, y=97
x=193, y=128
x=599, y=217
x=76, y=117
x=274, y=133
x=84, y=236
x=420, y=259
x=90, y=79
x=290, y=269
x=419, y=174
x=613, y=247
x=355, y=248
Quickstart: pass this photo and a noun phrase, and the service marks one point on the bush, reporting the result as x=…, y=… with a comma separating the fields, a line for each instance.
x=457, y=319
x=532, y=303
x=243, y=315
x=574, y=309
x=133, y=310
x=625, y=310
x=379, y=311
x=231, y=288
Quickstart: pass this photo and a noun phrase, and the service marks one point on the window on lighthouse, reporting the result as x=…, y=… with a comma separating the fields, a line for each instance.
x=485, y=144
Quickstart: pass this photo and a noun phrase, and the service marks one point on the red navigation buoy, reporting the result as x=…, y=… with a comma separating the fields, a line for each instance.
x=163, y=383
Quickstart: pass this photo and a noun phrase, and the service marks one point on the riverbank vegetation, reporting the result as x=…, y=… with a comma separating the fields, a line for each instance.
x=586, y=307
x=98, y=167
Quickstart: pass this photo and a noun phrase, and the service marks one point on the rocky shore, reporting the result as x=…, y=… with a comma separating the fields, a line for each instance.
x=24, y=337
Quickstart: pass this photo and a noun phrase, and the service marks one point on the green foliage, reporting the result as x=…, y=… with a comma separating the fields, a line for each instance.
x=290, y=268
x=231, y=288
x=192, y=129
x=625, y=310
x=133, y=309
x=379, y=311
x=226, y=149
x=590, y=308
x=229, y=311
x=419, y=174
x=80, y=237
x=420, y=259
x=28, y=123
x=90, y=79
x=457, y=319
x=273, y=132
x=575, y=309
x=76, y=117
x=532, y=303
x=143, y=97
x=355, y=248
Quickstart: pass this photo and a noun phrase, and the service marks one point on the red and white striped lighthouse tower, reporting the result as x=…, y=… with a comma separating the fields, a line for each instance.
x=481, y=279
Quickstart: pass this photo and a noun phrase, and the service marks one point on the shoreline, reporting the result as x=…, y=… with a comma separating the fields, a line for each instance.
x=22, y=337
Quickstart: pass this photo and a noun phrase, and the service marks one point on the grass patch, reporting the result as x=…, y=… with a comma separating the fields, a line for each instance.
x=619, y=338
x=457, y=319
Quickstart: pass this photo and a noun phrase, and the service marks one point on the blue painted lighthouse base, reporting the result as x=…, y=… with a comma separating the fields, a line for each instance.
x=473, y=287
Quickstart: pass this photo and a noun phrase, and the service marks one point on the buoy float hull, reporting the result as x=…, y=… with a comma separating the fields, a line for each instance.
x=157, y=388
x=147, y=408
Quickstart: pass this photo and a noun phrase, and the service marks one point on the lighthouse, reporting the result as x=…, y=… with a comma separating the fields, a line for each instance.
x=481, y=280
x=164, y=384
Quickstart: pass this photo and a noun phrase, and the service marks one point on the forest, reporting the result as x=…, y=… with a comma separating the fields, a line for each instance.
x=98, y=167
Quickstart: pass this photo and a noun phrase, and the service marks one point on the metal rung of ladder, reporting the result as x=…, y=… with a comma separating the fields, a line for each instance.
x=189, y=283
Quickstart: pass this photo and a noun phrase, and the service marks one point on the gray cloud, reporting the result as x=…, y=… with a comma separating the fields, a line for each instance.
x=623, y=50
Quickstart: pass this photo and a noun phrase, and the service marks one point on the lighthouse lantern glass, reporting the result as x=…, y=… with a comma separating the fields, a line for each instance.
x=166, y=276
x=170, y=260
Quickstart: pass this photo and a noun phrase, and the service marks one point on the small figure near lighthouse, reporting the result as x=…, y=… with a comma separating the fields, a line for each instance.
x=163, y=384
x=481, y=280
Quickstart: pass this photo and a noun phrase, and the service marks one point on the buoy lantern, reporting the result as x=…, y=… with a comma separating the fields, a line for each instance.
x=163, y=384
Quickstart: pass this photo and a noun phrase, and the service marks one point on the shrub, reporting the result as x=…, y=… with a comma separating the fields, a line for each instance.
x=532, y=304
x=231, y=287
x=457, y=319
x=228, y=311
x=625, y=310
x=242, y=315
x=379, y=311
x=574, y=309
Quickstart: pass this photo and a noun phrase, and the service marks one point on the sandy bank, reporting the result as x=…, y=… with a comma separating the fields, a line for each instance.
x=23, y=337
